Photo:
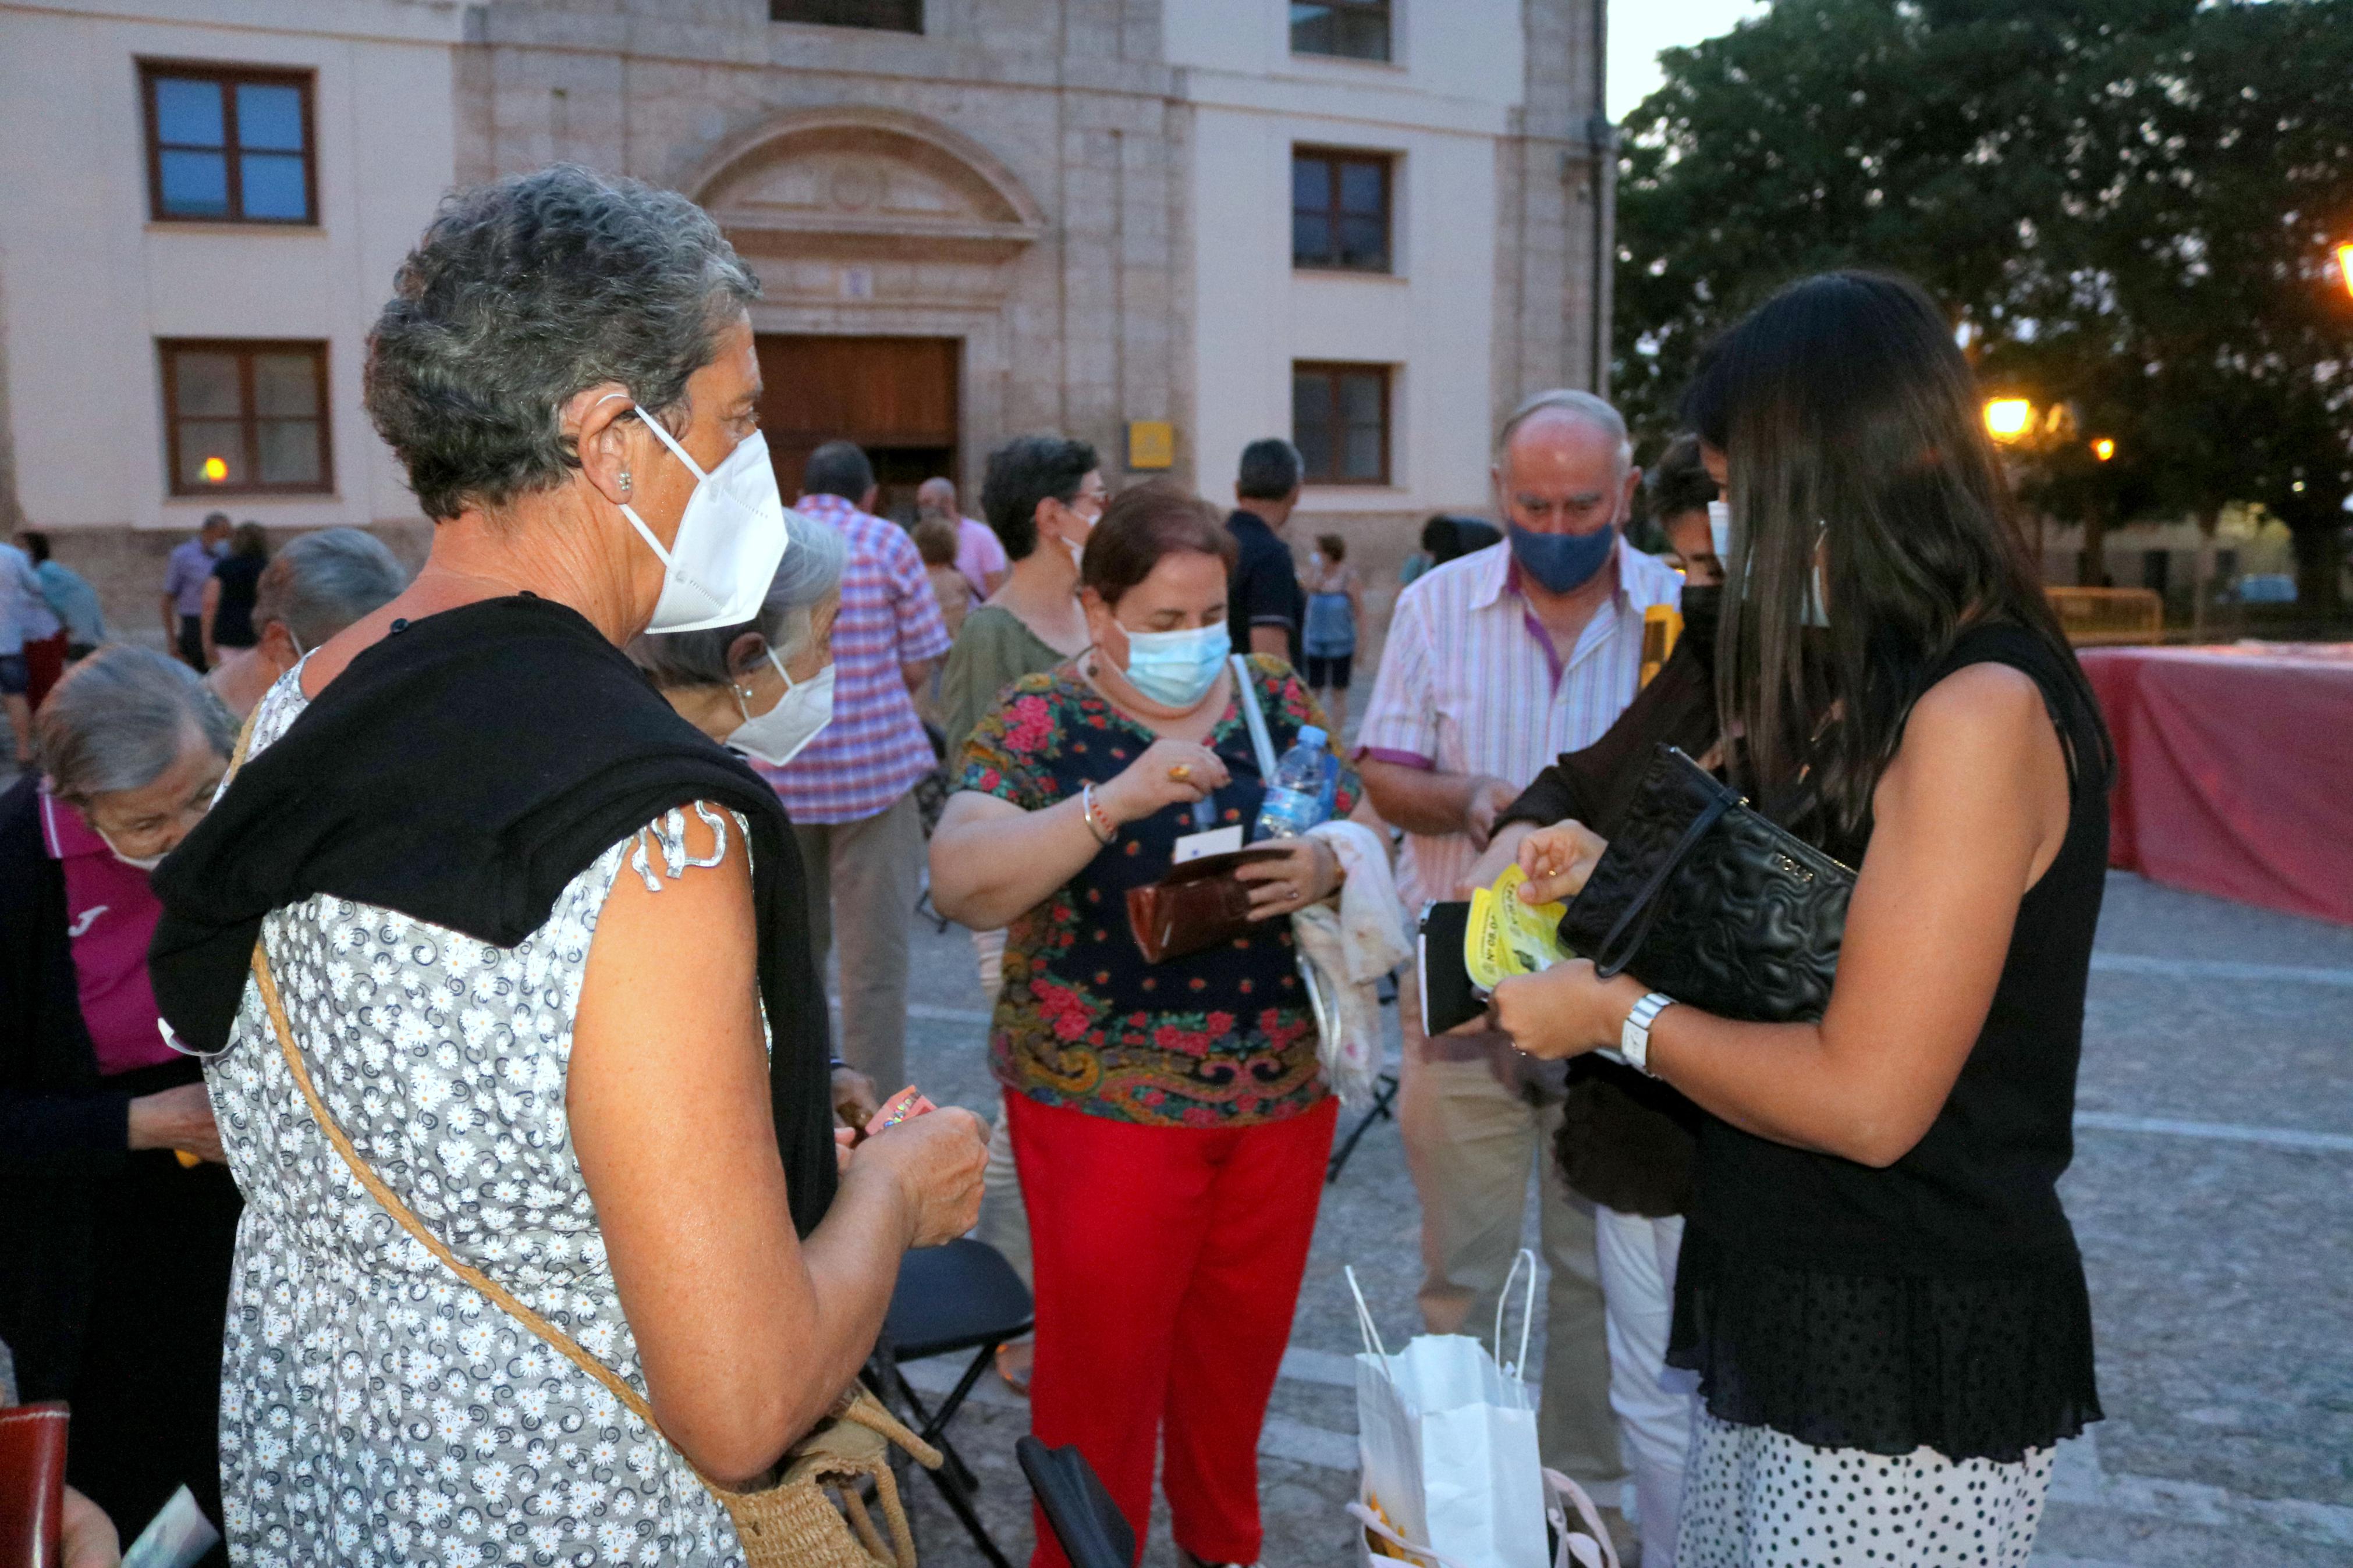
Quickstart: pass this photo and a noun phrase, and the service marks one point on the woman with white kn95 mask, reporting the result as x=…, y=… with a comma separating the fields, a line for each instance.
x=489, y=945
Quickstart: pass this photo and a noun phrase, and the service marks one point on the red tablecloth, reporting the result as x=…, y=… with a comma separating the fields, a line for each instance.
x=2235, y=773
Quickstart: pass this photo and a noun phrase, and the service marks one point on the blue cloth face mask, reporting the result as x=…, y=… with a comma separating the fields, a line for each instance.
x=1176, y=669
x=1562, y=563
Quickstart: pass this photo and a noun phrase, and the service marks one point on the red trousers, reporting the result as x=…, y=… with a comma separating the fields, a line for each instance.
x=1168, y=1262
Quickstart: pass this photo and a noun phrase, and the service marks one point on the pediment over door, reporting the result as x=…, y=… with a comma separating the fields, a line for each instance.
x=868, y=184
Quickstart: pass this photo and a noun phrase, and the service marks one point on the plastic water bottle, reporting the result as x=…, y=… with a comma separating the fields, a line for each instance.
x=1294, y=796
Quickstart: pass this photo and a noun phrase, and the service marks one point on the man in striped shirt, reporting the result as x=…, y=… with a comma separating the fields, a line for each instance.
x=851, y=792
x=1496, y=664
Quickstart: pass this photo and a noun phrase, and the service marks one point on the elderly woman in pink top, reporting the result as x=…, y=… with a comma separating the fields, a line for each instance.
x=114, y=1254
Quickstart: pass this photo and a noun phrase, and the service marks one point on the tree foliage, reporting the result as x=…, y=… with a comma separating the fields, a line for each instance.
x=2131, y=207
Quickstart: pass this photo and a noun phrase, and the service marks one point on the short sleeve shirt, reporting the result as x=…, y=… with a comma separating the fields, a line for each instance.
x=874, y=749
x=1218, y=1038
x=1470, y=683
x=1264, y=590
x=978, y=553
x=184, y=574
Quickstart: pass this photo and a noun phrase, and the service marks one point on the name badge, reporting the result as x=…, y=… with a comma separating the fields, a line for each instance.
x=1215, y=841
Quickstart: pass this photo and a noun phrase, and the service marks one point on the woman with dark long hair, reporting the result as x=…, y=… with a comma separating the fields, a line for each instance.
x=1878, y=1288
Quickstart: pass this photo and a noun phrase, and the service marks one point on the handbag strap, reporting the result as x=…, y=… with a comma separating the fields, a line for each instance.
x=1245, y=694
x=1635, y=921
x=856, y=1405
x=499, y=1295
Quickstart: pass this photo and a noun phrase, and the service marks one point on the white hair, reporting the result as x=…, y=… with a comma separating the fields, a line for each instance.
x=1582, y=406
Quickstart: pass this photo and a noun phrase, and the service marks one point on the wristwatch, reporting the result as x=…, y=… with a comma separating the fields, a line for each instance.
x=1634, y=1039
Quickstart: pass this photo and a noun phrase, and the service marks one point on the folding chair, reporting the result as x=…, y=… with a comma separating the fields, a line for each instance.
x=1385, y=1093
x=960, y=1297
x=1093, y=1531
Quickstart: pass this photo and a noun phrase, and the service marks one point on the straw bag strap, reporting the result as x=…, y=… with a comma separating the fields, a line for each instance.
x=391, y=1201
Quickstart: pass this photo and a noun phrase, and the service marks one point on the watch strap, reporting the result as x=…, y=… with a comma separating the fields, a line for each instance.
x=1634, y=1038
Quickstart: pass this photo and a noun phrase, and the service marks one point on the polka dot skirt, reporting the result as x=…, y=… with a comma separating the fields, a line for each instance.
x=1755, y=1498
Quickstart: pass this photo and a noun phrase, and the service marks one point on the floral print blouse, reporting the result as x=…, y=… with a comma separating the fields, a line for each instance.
x=1218, y=1038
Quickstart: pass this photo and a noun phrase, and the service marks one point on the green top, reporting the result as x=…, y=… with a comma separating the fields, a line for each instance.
x=994, y=650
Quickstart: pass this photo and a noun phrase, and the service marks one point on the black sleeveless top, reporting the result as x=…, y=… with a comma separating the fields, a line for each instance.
x=1939, y=1302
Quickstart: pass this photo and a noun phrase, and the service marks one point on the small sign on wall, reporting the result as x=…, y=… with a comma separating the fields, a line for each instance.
x=1151, y=443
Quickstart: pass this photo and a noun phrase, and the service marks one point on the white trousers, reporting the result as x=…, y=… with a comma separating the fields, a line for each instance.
x=1653, y=1402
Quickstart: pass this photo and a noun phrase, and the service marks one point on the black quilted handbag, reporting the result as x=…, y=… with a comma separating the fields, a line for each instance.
x=1706, y=900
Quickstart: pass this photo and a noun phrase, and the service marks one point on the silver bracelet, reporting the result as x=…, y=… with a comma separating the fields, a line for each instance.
x=1634, y=1038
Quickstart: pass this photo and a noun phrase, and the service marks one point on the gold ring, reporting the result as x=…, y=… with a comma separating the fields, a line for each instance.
x=1181, y=772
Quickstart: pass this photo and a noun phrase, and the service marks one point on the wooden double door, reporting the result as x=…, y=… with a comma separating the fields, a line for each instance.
x=896, y=397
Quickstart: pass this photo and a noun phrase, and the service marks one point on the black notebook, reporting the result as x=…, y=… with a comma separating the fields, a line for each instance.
x=1448, y=998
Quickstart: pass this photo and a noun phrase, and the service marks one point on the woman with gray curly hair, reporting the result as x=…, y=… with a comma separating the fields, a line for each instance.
x=532, y=957
x=114, y=1256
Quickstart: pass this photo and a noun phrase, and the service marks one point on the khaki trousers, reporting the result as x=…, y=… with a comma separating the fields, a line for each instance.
x=862, y=877
x=1469, y=1143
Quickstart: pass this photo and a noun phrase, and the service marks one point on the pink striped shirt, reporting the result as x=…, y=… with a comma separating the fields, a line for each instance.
x=874, y=749
x=1470, y=683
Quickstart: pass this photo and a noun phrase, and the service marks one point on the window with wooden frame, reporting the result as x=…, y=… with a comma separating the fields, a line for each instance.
x=1340, y=209
x=246, y=417
x=1340, y=422
x=229, y=144
x=883, y=16
x=1352, y=30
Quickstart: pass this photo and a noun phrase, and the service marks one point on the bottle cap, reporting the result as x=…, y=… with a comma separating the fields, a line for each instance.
x=1309, y=735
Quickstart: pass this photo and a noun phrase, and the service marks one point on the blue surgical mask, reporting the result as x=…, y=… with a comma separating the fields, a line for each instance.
x=1562, y=563
x=1176, y=669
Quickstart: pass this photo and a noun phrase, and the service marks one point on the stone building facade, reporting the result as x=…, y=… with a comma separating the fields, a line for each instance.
x=1020, y=214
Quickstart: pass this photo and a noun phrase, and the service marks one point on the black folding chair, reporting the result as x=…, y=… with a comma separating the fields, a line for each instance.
x=960, y=1297
x=1385, y=1093
x=1093, y=1531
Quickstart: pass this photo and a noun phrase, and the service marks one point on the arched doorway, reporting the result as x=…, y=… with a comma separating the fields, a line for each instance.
x=886, y=244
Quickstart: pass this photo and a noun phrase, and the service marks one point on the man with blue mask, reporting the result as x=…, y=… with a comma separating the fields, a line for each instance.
x=1497, y=662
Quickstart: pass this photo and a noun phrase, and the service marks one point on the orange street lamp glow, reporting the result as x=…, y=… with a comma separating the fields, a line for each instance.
x=2104, y=448
x=2007, y=418
x=216, y=469
x=2345, y=265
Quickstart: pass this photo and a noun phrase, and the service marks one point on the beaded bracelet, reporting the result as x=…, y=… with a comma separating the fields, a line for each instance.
x=1098, y=822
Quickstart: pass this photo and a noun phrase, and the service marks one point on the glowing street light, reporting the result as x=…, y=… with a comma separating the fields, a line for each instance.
x=2104, y=448
x=216, y=469
x=2345, y=265
x=2007, y=418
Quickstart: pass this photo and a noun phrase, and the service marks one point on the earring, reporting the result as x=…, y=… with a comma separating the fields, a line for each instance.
x=625, y=479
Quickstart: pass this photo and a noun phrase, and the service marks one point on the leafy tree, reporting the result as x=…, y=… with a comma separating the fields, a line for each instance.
x=2131, y=206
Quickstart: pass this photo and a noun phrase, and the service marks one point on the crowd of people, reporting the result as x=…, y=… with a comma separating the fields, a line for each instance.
x=489, y=907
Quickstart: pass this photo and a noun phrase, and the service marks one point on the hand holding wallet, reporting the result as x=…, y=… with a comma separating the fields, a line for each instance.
x=1197, y=905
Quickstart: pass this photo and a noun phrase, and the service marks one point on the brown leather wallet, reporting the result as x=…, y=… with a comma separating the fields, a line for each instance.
x=32, y=1485
x=1196, y=906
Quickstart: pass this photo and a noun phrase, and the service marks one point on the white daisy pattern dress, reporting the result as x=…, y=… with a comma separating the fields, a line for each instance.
x=375, y=1410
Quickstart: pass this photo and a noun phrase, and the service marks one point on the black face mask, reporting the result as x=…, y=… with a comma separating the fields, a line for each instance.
x=1702, y=608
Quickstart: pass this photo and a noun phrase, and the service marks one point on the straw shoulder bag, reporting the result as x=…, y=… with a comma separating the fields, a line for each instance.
x=792, y=1524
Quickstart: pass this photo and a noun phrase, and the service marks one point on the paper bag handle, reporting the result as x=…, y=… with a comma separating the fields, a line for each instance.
x=1372, y=1523
x=1365, y=1317
x=1512, y=1369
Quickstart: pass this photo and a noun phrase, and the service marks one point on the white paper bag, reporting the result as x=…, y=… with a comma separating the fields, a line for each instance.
x=1448, y=1443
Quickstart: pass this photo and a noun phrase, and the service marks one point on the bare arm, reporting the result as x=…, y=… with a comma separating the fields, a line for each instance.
x=171, y=620
x=746, y=1334
x=1968, y=815
x=1425, y=801
x=916, y=673
x=212, y=608
x=992, y=861
x=1272, y=641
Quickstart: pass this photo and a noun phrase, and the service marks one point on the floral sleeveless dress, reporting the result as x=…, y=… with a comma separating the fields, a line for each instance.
x=374, y=1411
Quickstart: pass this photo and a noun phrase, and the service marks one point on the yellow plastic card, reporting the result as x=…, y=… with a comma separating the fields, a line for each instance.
x=1505, y=937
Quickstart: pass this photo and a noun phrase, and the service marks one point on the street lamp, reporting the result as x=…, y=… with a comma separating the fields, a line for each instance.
x=2104, y=448
x=2007, y=418
x=2345, y=265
